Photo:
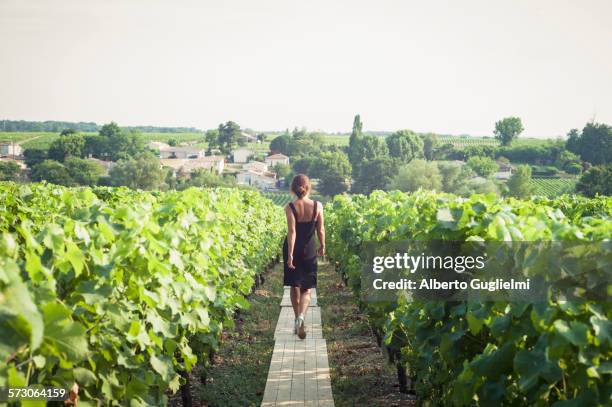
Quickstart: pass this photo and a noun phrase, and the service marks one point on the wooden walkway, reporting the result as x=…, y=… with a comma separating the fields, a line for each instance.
x=299, y=371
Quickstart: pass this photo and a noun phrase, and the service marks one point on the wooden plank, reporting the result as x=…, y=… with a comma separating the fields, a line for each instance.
x=324, y=391
x=310, y=373
x=299, y=370
x=271, y=390
x=286, y=374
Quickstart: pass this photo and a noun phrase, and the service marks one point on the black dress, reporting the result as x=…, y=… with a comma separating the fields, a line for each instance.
x=304, y=275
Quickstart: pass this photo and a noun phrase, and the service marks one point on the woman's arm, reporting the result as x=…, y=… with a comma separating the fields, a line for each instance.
x=321, y=232
x=290, y=236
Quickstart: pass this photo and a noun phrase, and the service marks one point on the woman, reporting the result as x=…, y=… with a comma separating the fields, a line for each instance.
x=304, y=218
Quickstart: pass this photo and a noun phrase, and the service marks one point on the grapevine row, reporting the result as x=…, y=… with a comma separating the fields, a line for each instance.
x=123, y=291
x=486, y=353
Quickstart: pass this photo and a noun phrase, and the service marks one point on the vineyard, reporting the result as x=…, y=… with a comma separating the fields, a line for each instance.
x=279, y=198
x=552, y=187
x=122, y=291
x=484, y=353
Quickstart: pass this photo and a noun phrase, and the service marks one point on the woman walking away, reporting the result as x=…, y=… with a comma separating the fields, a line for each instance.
x=304, y=218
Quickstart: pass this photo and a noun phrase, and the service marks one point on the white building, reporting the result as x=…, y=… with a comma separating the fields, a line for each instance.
x=261, y=180
x=181, y=152
x=276, y=159
x=10, y=149
x=241, y=155
x=255, y=166
x=212, y=162
x=186, y=166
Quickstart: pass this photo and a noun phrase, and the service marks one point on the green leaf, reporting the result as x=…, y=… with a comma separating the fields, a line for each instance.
x=603, y=329
x=474, y=323
x=84, y=376
x=20, y=320
x=575, y=332
x=64, y=337
x=163, y=366
x=532, y=366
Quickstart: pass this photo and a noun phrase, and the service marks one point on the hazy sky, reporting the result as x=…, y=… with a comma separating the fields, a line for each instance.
x=451, y=66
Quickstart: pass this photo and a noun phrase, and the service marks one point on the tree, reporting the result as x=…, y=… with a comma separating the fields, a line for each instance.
x=355, y=138
x=53, y=172
x=302, y=165
x=140, y=172
x=172, y=142
x=573, y=141
x=281, y=170
x=67, y=132
x=261, y=137
x=229, y=136
x=566, y=160
x=109, y=130
x=430, y=143
x=333, y=170
x=283, y=144
x=354, y=147
x=374, y=174
x=68, y=145
x=212, y=138
x=204, y=178
x=519, y=183
x=453, y=175
x=417, y=174
x=405, y=145
x=508, y=129
x=9, y=171
x=34, y=156
x=125, y=144
x=483, y=166
x=596, y=181
x=368, y=148
x=114, y=143
x=593, y=145
x=84, y=172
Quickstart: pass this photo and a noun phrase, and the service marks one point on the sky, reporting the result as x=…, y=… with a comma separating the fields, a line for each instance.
x=450, y=67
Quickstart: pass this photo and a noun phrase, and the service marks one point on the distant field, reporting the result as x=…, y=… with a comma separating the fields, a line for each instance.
x=29, y=139
x=43, y=140
x=552, y=187
x=462, y=142
x=279, y=198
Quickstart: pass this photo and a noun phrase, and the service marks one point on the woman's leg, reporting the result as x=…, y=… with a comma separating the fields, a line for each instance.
x=304, y=301
x=294, y=294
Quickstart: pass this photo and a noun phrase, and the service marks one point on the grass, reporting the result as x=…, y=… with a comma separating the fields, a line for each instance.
x=240, y=370
x=360, y=374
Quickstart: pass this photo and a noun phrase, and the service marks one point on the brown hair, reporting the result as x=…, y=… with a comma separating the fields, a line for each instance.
x=300, y=185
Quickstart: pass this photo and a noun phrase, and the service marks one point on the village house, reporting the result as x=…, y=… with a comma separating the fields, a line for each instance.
x=9, y=149
x=263, y=180
x=182, y=152
x=255, y=166
x=186, y=165
x=212, y=162
x=241, y=155
x=276, y=159
x=504, y=172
